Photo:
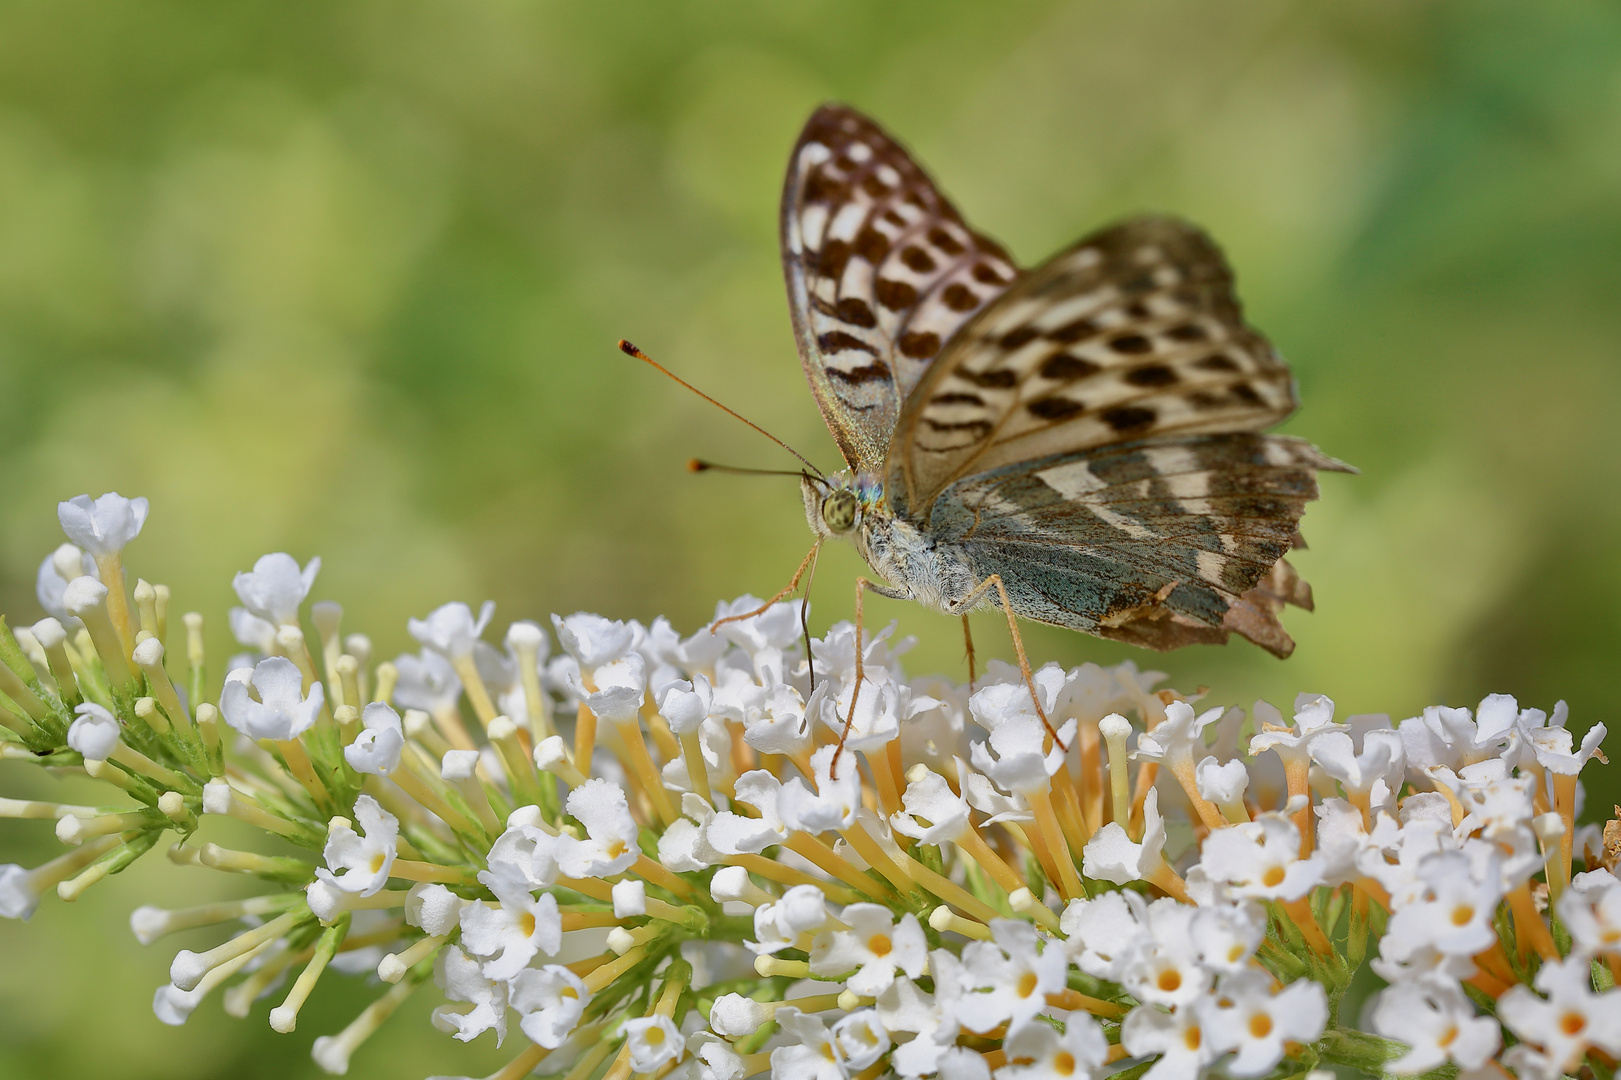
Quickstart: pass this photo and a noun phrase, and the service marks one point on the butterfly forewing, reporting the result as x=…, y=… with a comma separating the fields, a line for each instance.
x=881, y=272
x=1133, y=333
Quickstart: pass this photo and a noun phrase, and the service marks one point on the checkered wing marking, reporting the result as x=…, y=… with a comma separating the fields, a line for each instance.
x=1158, y=543
x=1133, y=333
x=881, y=272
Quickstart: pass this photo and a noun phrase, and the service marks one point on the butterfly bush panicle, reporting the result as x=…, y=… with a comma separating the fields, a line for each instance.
x=646, y=856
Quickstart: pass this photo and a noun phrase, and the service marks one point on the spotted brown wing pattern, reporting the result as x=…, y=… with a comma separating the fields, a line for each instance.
x=881, y=272
x=1158, y=543
x=1132, y=333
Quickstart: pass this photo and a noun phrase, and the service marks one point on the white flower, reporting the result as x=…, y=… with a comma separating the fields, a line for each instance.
x=734, y=834
x=1112, y=856
x=275, y=587
x=832, y=805
x=251, y=631
x=934, y=814
x=434, y=908
x=359, y=864
x=1314, y=717
x=861, y=1037
x=458, y=975
x=782, y=726
x=654, y=1041
x=1164, y=968
x=427, y=682
x=592, y=640
x=1021, y=764
x=282, y=711
x=1438, y=1023
x=506, y=935
x=1591, y=911
x=1017, y=970
x=1382, y=760
x=875, y=945
x=55, y=571
x=104, y=526
x=550, y=1000
x=95, y=734
x=1222, y=784
x=685, y=705
x=1178, y=1037
x=801, y=910
x=684, y=847
x=1450, y=737
x=1103, y=932
x=710, y=1058
x=879, y=709
x=1455, y=915
x=621, y=687
x=611, y=847
x=1228, y=935
x=1261, y=858
x=1571, y=1020
x=1553, y=748
x=1256, y=1023
x=450, y=629
x=811, y=1055
x=1078, y=1054
x=524, y=857
x=19, y=891
x=376, y=750
x=765, y=637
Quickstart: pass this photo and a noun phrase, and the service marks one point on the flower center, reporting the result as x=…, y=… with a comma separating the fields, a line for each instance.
x=879, y=945
x=1027, y=984
x=1572, y=1023
x=1260, y=1025
x=1192, y=1037
x=526, y=924
x=1462, y=914
x=1064, y=1063
x=570, y=993
x=654, y=1035
x=1170, y=980
x=377, y=862
x=1273, y=877
x=1446, y=1040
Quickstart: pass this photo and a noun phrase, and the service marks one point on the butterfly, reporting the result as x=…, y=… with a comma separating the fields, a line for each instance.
x=1079, y=444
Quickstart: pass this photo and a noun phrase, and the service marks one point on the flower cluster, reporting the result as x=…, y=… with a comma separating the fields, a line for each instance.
x=709, y=857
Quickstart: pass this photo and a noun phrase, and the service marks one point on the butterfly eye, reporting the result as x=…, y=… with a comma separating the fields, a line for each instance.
x=839, y=511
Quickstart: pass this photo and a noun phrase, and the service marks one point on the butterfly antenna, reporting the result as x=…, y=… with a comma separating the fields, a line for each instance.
x=630, y=350
x=700, y=465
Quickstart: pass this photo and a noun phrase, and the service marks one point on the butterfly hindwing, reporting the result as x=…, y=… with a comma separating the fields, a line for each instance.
x=1159, y=543
x=881, y=271
x=1132, y=333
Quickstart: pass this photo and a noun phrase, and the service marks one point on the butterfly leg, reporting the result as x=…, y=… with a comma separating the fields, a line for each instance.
x=968, y=643
x=862, y=586
x=966, y=604
x=805, y=564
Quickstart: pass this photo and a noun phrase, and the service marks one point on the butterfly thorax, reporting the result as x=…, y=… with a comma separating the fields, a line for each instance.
x=916, y=566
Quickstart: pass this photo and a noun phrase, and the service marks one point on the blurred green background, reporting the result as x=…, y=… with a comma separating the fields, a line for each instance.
x=345, y=279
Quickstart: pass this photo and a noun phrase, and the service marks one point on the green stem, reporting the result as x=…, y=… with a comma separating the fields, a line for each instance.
x=1370, y=1054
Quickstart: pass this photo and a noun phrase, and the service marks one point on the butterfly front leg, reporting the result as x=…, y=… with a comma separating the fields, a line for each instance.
x=962, y=607
x=863, y=586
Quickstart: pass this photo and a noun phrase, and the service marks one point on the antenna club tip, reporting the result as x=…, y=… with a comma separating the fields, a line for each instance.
x=628, y=349
x=695, y=465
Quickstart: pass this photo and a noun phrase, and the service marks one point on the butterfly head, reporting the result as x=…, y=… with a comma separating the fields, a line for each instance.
x=835, y=505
